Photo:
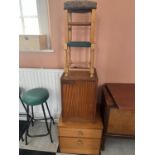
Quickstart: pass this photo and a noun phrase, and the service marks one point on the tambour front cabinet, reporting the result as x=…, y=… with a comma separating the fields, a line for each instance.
x=79, y=96
x=80, y=137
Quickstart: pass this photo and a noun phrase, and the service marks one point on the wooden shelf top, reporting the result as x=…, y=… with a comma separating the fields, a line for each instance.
x=122, y=94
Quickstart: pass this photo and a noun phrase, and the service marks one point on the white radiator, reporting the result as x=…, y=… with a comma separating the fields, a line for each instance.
x=48, y=78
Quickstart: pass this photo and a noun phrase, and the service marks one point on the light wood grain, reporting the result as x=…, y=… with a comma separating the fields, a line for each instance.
x=85, y=133
x=66, y=26
x=119, y=114
x=79, y=145
x=69, y=26
x=121, y=122
x=93, y=22
x=80, y=137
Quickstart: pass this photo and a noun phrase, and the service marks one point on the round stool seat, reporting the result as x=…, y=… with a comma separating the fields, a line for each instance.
x=35, y=96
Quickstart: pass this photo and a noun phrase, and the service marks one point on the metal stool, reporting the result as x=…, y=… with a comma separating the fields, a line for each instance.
x=34, y=97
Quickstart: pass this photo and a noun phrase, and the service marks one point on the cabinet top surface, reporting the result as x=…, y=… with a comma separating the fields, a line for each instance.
x=85, y=125
x=79, y=75
x=122, y=94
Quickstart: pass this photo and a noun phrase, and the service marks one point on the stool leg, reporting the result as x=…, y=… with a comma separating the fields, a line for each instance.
x=67, y=61
x=48, y=130
x=32, y=115
x=49, y=113
x=92, y=40
x=70, y=61
x=22, y=138
x=22, y=103
x=92, y=61
x=67, y=36
x=93, y=24
x=27, y=130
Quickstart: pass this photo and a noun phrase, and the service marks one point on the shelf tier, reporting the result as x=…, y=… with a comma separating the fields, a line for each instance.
x=79, y=44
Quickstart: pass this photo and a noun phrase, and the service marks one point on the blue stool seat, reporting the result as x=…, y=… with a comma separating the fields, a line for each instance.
x=35, y=96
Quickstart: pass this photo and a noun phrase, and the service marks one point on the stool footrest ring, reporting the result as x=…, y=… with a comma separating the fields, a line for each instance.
x=40, y=135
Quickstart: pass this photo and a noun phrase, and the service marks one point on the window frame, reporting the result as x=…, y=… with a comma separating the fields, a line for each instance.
x=21, y=17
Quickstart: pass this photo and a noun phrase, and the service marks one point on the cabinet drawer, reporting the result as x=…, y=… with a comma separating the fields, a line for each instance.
x=79, y=145
x=86, y=133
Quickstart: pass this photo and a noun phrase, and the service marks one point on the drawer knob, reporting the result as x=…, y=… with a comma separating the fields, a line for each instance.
x=79, y=142
x=80, y=133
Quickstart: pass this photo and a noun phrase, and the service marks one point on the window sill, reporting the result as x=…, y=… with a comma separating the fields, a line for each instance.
x=38, y=51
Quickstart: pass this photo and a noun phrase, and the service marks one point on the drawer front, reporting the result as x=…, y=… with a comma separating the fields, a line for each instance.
x=86, y=133
x=79, y=145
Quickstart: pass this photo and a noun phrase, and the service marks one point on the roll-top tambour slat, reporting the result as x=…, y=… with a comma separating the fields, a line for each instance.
x=79, y=23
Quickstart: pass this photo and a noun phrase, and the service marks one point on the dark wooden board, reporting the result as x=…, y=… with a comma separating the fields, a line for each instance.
x=122, y=94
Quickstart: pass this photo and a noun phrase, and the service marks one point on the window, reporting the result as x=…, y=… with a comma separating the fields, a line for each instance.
x=33, y=18
x=28, y=17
